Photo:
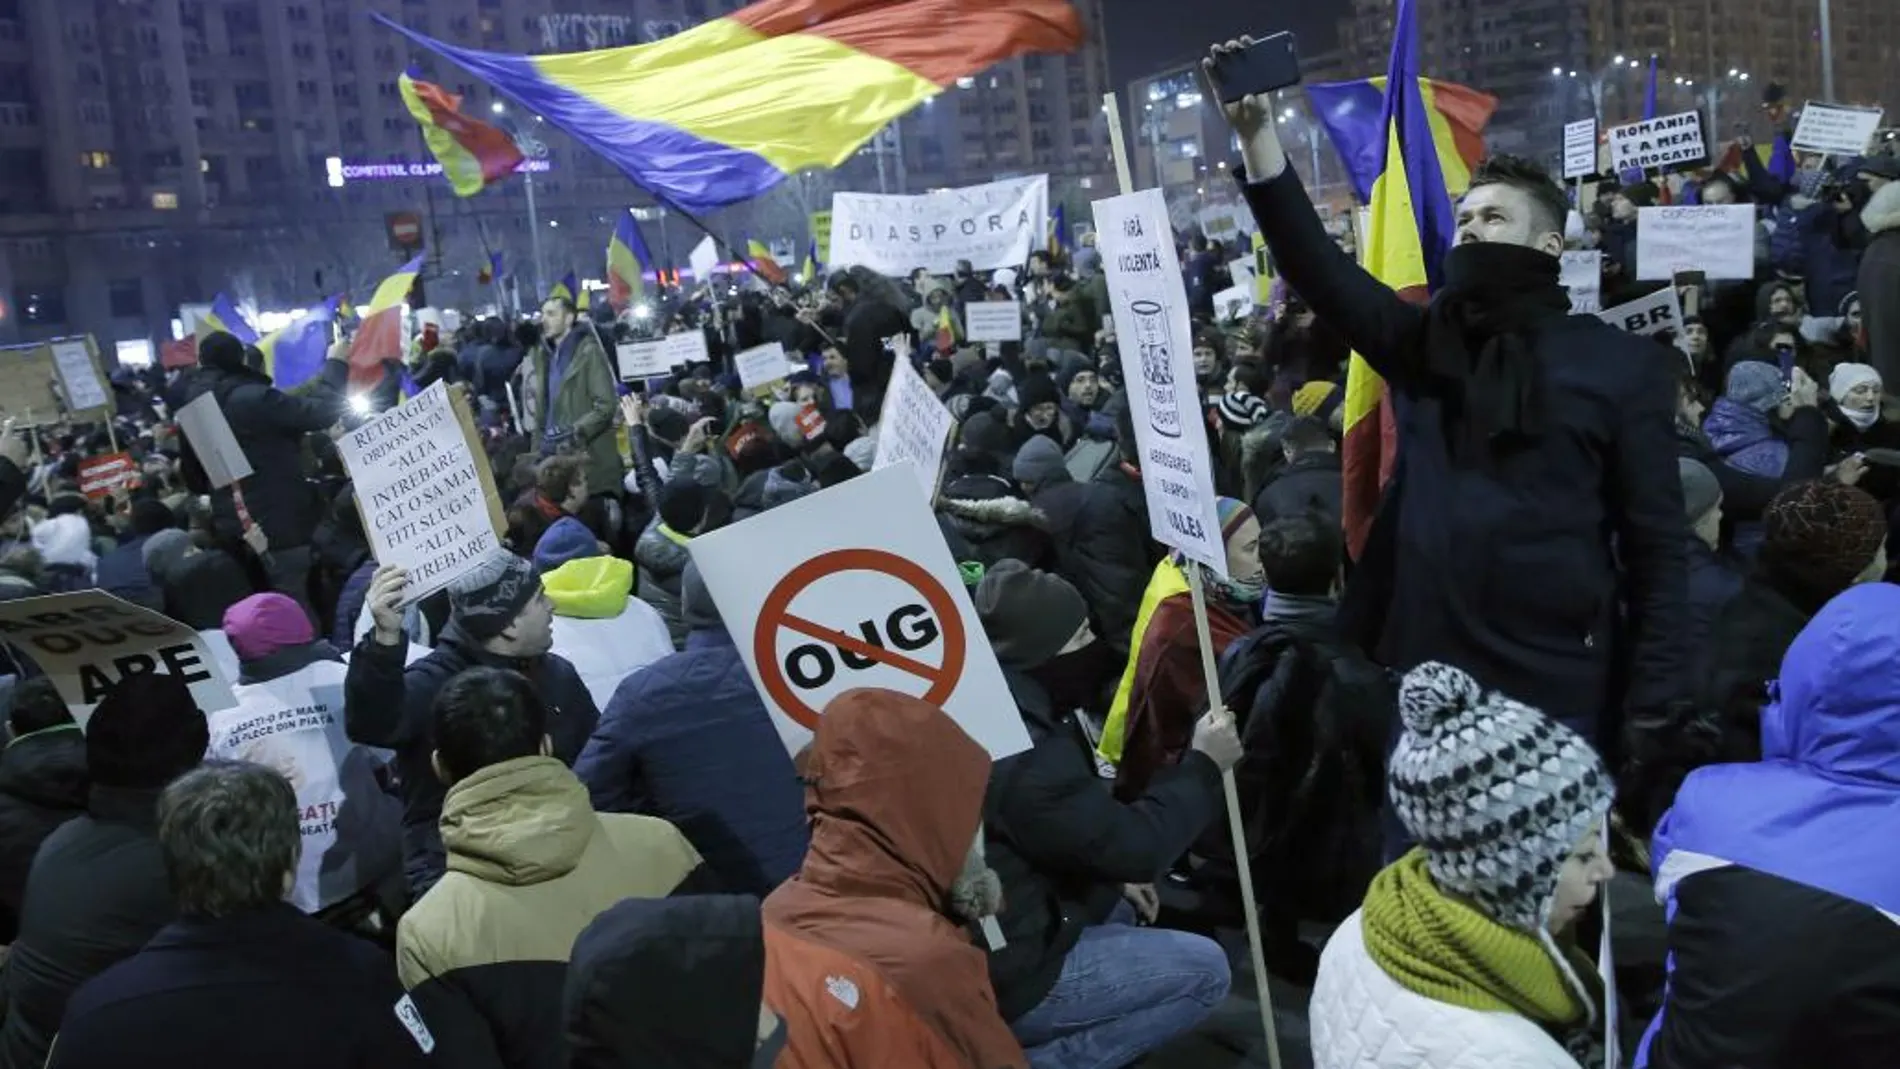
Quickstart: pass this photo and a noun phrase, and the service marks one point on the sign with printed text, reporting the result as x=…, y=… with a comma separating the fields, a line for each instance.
x=89, y=640
x=913, y=428
x=1582, y=275
x=1665, y=141
x=762, y=365
x=993, y=321
x=211, y=439
x=1580, y=148
x=1649, y=315
x=996, y=224
x=1835, y=129
x=1716, y=239
x=79, y=377
x=423, y=488
x=1157, y=352
x=104, y=476
x=820, y=607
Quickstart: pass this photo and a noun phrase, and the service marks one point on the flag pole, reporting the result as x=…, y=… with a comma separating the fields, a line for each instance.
x=1243, y=862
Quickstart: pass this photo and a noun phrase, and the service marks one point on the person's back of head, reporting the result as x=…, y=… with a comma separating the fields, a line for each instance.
x=36, y=706
x=1513, y=201
x=1301, y=555
x=146, y=732
x=484, y=717
x=229, y=835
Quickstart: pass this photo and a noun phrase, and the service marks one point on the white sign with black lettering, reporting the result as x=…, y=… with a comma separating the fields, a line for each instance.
x=993, y=321
x=1835, y=129
x=819, y=607
x=89, y=640
x=1716, y=239
x=211, y=439
x=1157, y=352
x=1664, y=141
x=913, y=428
x=996, y=224
x=762, y=366
x=1582, y=275
x=1580, y=148
x=425, y=493
x=1649, y=315
x=78, y=376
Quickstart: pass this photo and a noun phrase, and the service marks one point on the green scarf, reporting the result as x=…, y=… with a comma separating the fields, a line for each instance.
x=1447, y=951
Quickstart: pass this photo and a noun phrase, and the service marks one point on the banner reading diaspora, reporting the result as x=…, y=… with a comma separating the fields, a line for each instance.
x=993, y=225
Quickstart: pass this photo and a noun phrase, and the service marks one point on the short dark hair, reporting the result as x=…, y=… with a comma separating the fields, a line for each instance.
x=1547, y=197
x=486, y=716
x=37, y=706
x=228, y=832
x=1301, y=553
x=1306, y=434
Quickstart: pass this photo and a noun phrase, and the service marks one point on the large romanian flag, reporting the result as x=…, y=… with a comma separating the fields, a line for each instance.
x=1352, y=111
x=628, y=261
x=728, y=109
x=379, y=336
x=473, y=154
x=1411, y=229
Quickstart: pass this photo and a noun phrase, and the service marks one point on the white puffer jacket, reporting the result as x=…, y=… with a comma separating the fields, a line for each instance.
x=1362, y=1019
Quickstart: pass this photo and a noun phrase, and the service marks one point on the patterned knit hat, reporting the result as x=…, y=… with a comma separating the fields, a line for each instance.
x=1496, y=793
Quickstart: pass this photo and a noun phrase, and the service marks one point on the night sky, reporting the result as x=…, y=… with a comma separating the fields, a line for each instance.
x=1144, y=35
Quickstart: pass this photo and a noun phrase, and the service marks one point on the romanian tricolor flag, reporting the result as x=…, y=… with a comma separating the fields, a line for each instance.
x=224, y=316
x=474, y=155
x=294, y=355
x=628, y=261
x=761, y=259
x=1351, y=112
x=379, y=336
x=728, y=109
x=1411, y=228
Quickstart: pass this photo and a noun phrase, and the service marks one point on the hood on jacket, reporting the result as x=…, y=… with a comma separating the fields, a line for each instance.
x=895, y=796
x=592, y=588
x=521, y=822
x=667, y=981
x=1882, y=211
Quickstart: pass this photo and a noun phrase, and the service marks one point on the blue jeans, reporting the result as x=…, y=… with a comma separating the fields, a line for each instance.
x=1123, y=992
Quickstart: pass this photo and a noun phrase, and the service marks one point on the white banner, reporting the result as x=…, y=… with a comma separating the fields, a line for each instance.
x=211, y=439
x=993, y=320
x=1157, y=352
x=818, y=607
x=1653, y=314
x=423, y=488
x=762, y=365
x=994, y=225
x=1664, y=141
x=1582, y=275
x=1580, y=148
x=89, y=640
x=1835, y=129
x=1716, y=239
x=913, y=427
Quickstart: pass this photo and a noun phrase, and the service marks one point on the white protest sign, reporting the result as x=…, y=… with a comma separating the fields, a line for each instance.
x=997, y=224
x=1233, y=302
x=1835, y=129
x=423, y=488
x=818, y=607
x=703, y=259
x=1580, y=148
x=643, y=359
x=78, y=377
x=210, y=436
x=993, y=321
x=1664, y=141
x=1157, y=351
x=761, y=366
x=1649, y=315
x=1222, y=223
x=913, y=427
x=1582, y=274
x=1716, y=239
x=89, y=640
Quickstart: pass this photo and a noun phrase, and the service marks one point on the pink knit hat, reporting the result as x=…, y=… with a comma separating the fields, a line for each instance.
x=262, y=624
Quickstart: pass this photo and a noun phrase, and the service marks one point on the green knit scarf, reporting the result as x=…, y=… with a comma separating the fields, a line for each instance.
x=1443, y=949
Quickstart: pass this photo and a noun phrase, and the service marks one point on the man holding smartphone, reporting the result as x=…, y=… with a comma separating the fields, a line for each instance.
x=1532, y=533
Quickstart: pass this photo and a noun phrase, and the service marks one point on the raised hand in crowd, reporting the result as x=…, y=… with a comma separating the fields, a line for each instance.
x=386, y=589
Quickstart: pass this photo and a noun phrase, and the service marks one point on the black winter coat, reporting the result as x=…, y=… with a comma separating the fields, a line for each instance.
x=1112, y=555
x=42, y=785
x=1309, y=484
x=270, y=426
x=1506, y=567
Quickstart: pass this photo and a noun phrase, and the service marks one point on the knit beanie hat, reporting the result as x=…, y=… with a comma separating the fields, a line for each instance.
x=1495, y=792
x=262, y=624
x=1038, y=461
x=147, y=732
x=1241, y=410
x=1028, y=615
x=1755, y=384
x=567, y=539
x=1308, y=398
x=486, y=600
x=1822, y=534
x=682, y=504
x=1700, y=491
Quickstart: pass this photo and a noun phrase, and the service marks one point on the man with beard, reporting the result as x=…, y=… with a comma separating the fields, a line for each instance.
x=1534, y=456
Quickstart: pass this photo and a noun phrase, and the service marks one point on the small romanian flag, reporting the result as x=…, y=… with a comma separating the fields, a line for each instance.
x=473, y=154
x=628, y=261
x=379, y=337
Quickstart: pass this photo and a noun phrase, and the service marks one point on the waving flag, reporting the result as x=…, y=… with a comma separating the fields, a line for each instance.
x=728, y=109
x=761, y=259
x=628, y=261
x=379, y=336
x=294, y=355
x=473, y=154
x=1352, y=113
x=224, y=316
x=1411, y=229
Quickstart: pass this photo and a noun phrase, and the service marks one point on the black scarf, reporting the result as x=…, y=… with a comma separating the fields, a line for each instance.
x=1478, y=336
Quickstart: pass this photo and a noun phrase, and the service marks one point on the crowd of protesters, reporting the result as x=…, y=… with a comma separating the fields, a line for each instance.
x=1625, y=608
